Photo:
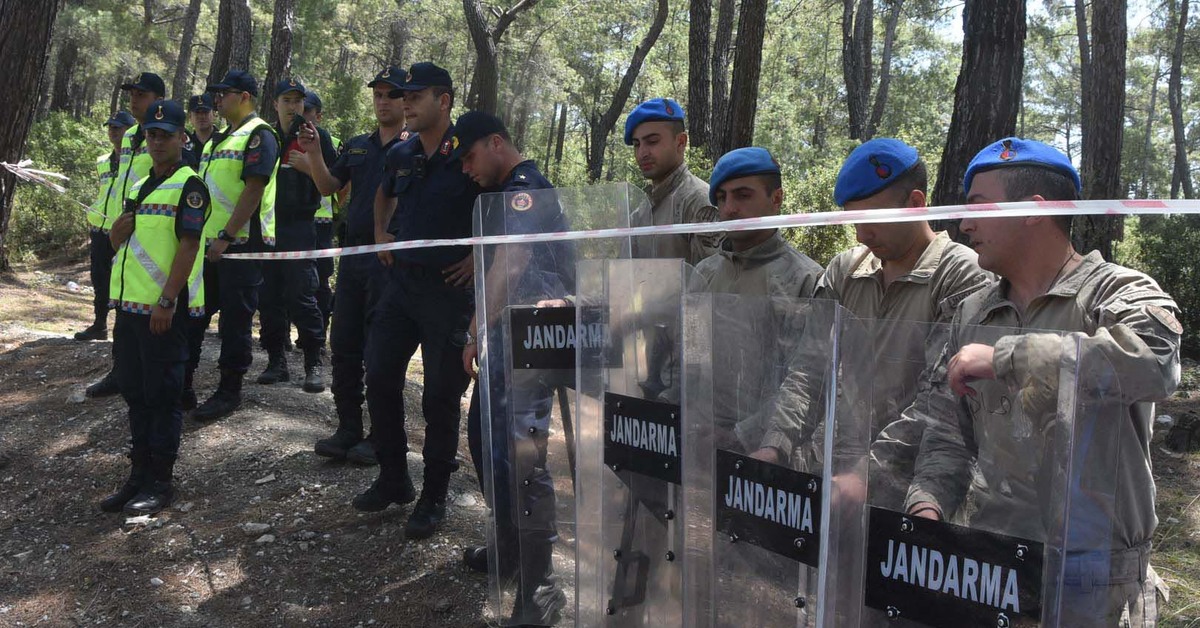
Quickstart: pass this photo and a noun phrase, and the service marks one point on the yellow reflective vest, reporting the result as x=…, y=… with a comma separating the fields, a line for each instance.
x=107, y=207
x=143, y=262
x=328, y=203
x=221, y=164
x=133, y=166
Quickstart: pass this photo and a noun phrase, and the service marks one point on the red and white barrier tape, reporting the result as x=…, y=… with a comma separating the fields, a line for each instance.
x=904, y=214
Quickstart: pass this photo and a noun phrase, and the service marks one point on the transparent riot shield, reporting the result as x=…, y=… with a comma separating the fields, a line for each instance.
x=758, y=391
x=996, y=504
x=521, y=419
x=630, y=537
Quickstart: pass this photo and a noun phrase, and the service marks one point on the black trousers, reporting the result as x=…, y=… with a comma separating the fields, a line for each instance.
x=100, y=268
x=325, y=271
x=418, y=309
x=288, y=294
x=149, y=371
x=360, y=282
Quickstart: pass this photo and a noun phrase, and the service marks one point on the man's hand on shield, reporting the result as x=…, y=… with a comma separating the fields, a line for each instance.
x=767, y=454
x=926, y=510
x=553, y=303
x=972, y=362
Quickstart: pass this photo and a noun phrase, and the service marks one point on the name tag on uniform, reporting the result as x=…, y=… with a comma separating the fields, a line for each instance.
x=357, y=151
x=945, y=575
x=643, y=436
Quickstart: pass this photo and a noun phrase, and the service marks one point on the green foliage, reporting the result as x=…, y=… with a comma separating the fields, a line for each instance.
x=46, y=222
x=1160, y=240
x=809, y=193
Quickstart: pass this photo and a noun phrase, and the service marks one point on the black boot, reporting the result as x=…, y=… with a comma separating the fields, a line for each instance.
x=430, y=509
x=96, y=331
x=226, y=399
x=106, y=387
x=277, y=369
x=156, y=493
x=314, y=378
x=539, y=600
x=187, y=398
x=393, y=486
x=139, y=463
x=339, y=444
x=363, y=453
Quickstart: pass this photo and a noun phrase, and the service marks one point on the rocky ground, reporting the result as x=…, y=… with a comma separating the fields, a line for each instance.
x=263, y=534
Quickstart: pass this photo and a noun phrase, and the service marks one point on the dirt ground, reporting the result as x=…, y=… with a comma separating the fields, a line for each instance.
x=321, y=563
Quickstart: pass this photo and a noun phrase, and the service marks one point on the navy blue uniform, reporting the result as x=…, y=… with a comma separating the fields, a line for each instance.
x=231, y=286
x=360, y=277
x=521, y=412
x=289, y=291
x=150, y=367
x=418, y=308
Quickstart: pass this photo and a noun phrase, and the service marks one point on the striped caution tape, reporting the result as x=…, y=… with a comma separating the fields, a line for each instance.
x=903, y=214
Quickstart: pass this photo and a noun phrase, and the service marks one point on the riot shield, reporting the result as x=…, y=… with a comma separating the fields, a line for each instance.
x=524, y=451
x=1017, y=474
x=628, y=498
x=758, y=391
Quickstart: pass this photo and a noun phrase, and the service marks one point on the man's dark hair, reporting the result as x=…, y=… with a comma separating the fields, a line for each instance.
x=915, y=178
x=1024, y=181
x=438, y=90
x=771, y=182
x=677, y=127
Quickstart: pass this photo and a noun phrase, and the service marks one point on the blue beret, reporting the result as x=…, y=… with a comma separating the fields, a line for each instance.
x=742, y=162
x=872, y=167
x=655, y=109
x=1014, y=151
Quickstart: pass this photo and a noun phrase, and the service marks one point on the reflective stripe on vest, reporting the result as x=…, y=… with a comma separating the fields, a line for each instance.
x=143, y=263
x=131, y=168
x=325, y=212
x=222, y=168
x=107, y=207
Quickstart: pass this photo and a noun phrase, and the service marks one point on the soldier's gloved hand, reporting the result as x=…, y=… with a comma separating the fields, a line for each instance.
x=971, y=363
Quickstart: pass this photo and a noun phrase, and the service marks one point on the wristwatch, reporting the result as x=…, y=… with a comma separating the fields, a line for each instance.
x=224, y=235
x=165, y=303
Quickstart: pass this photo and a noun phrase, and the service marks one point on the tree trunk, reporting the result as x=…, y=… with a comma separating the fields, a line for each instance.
x=857, y=38
x=182, y=82
x=486, y=78
x=562, y=138
x=1182, y=171
x=68, y=57
x=699, y=62
x=747, y=66
x=718, y=129
x=399, y=43
x=232, y=48
x=23, y=56
x=279, y=64
x=1148, y=146
x=602, y=123
x=1104, y=126
x=885, y=69
x=987, y=93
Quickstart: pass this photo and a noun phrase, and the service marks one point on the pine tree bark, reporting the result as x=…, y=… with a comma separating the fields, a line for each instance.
x=699, y=66
x=485, y=84
x=562, y=138
x=279, y=64
x=1103, y=125
x=23, y=55
x=747, y=67
x=399, y=43
x=1181, y=177
x=64, y=70
x=182, y=81
x=987, y=94
x=232, y=48
x=601, y=123
x=718, y=129
x=1151, y=113
x=885, y=68
x=858, y=26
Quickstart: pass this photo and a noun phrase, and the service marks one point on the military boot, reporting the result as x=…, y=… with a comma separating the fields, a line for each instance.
x=226, y=399
x=187, y=397
x=427, y=515
x=393, y=486
x=106, y=387
x=96, y=331
x=339, y=444
x=363, y=453
x=314, y=378
x=539, y=600
x=139, y=465
x=157, y=492
x=277, y=369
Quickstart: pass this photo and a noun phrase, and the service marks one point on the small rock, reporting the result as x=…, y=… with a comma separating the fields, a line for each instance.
x=255, y=529
x=266, y=538
x=466, y=500
x=442, y=606
x=140, y=520
x=303, y=546
x=77, y=396
x=72, y=286
x=156, y=582
x=1172, y=520
x=23, y=556
x=264, y=480
x=1164, y=421
x=246, y=601
x=186, y=507
x=306, y=535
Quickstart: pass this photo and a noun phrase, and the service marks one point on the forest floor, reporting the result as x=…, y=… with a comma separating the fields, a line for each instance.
x=321, y=563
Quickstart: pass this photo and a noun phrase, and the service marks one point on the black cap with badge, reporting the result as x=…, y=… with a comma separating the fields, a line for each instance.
x=200, y=102
x=121, y=119
x=313, y=101
x=391, y=76
x=289, y=85
x=236, y=79
x=422, y=76
x=166, y=115
x=147, y=82
x=473, y=126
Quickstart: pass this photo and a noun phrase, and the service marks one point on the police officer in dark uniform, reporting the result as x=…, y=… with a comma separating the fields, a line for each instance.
x=289, y=291
x=239, y=166
x=155, y=288
x=427, y=298
x=516, y=274
x=360, y=277
x=200, y=113
x=330, y=204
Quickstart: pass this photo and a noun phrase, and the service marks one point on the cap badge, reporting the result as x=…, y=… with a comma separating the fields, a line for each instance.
x=408, y=77
x=291, y=82
x=1008, y=154
x=882, y=170
x=158, y=115
x=445, y=148
x=387, y=73
x=669, y=108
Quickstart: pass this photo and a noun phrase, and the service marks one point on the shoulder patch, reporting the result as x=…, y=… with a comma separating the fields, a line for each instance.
x=1164, y=316
x=255, y=141
x=195, y=200
x=522, y=202
x=445, y=149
